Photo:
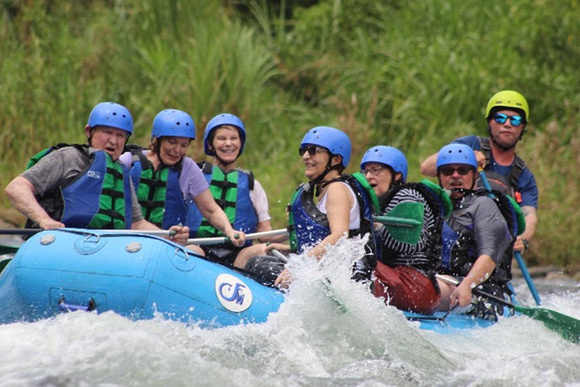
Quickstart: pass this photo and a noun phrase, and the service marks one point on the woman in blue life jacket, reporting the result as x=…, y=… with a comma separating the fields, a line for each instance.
x=342, y=206
x=477, y=241
x=235, y=190
x=405, y=272
x=165, y=178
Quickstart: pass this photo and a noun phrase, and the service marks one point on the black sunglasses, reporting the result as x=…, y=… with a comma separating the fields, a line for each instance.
x=448, y=171
x=312, y=150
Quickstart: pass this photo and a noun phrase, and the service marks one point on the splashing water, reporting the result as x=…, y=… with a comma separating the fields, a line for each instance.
x=310, y=341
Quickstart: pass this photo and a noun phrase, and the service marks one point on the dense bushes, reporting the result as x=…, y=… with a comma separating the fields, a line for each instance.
x=413, y=74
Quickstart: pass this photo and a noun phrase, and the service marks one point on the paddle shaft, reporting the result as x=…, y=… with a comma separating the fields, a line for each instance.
x=517, y=254
x=220, y=240
x=455, y=281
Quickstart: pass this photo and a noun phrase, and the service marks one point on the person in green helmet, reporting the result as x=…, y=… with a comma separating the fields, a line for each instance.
x=85, y=186
x=507, y=114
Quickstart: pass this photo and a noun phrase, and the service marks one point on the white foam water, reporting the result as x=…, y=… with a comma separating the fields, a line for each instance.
x=335, y=334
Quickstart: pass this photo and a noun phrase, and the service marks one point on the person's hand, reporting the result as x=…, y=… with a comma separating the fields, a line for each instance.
x=284, y=279
x=276, y=246
x=480, y=158
x=461, y=295
x=50, y=223
x=238, y=238
x=179, y=234
x=521, y=245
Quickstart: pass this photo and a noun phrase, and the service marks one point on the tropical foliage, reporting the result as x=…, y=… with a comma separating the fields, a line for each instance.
x=412, y=74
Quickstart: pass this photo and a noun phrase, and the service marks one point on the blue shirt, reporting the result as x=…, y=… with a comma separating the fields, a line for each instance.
x=527, y=186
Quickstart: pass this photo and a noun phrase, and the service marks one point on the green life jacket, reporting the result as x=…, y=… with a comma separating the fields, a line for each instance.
x=158, y=192
x=231, y=191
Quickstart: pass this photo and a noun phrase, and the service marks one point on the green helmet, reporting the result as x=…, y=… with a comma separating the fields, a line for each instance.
x=508, y=99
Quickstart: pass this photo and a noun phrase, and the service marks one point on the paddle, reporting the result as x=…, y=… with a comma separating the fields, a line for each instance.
x=404, y=222
x=220, y=240
x=517, y=254
x=566, y=326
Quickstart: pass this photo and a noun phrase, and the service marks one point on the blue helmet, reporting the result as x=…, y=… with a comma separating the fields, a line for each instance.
x=456, y=154
x=220, y=120
x=336, y=141
x=172, y=122
x=389, y=156
x=113, y=115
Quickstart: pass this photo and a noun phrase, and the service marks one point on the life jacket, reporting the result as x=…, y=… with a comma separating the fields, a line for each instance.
x=425, y=255
x=459, y=246
x=231, y=192
x=505, y=184
x=159, y=192
x=308, y=225
x=99, y=197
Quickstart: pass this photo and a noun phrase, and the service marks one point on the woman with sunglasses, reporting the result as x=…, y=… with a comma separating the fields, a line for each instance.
x=330, y=205
x=507, y=114
x=405, y=272
x=235, y=190
x=165, y=178
x=477, y=241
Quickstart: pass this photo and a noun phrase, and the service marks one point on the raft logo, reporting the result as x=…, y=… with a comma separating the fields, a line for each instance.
x=233, y=293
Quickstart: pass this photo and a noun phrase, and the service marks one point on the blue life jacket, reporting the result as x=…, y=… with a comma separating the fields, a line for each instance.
x=100, y=197
x=231, y=191
x=159, y=192
x=309, y=226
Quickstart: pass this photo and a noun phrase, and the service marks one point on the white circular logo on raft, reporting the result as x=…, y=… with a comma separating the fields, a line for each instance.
x=233, y=293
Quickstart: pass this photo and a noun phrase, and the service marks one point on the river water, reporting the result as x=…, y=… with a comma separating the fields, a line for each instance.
x=308, y=342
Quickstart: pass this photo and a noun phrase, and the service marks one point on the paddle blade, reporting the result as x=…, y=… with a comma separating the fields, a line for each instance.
x=404, y=222
x=568, y=327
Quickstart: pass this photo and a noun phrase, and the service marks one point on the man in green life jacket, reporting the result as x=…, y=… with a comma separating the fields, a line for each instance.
x=85, y=186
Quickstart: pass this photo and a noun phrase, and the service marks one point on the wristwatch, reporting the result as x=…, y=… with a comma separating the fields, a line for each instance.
x=526, y=244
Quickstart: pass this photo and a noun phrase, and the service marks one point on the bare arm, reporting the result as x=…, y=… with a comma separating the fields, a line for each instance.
x=428, y=167
x=479, y=273
x=531, y=222
x=338, y=205
x=22, y=195
x=217, y=217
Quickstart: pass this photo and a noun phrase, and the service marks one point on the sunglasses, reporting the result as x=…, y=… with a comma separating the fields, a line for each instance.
x=373, y=171
x=312, y=150
x=448, y=171
x=501, y=118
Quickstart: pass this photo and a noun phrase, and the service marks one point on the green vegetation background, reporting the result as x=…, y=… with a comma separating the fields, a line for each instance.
x=411, y=74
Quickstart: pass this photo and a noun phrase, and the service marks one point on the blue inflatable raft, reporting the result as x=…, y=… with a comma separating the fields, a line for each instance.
x=139, y=276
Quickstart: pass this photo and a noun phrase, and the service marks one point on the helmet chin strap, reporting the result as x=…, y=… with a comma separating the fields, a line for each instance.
x=318, y=182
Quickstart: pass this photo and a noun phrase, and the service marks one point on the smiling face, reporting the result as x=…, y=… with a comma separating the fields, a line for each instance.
x=172, y=149
x=111, y=140
x=379, y=177
x=315, y=160
x=505, y=135
x=226, y=144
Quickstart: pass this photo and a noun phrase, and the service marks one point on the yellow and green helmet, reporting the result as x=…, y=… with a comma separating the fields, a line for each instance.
x=508, y=99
